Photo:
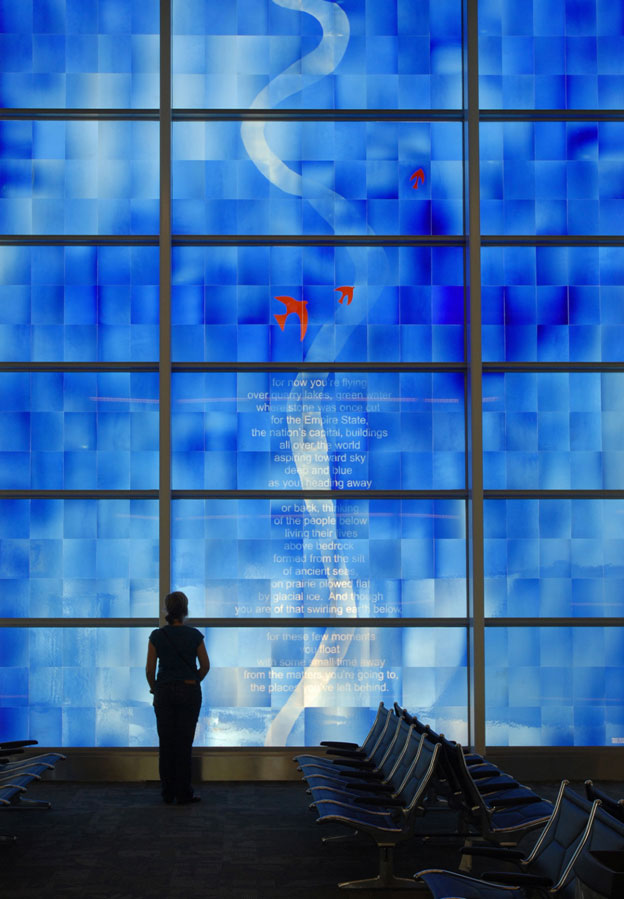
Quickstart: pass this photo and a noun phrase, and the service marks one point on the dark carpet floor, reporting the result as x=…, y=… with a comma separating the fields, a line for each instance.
x=244, y=841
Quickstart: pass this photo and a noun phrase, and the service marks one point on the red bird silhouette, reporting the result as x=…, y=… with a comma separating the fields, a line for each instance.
x=347, y=293
x=298, y=307
x=419, y=175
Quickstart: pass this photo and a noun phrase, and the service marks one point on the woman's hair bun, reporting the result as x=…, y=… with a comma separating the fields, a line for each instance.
x=176, y=604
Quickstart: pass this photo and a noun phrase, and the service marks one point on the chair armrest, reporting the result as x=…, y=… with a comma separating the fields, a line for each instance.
x=510, y=801
x=368, y=775
x=383, y=801
x=9, y=752
x=17, y=744
x=493, y=788
x=354, y=763
x=493, y=852
x=347, y=753
x=335, y=744
x=375, y=786
x=512, y=879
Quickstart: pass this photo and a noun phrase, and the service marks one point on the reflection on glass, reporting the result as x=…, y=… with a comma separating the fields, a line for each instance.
x=377, y=304
x=554, y=686
x=78, y=558
x=310, y=55
x=78, y=430
x=78, y=304
x=314, y=430
x=320, y=558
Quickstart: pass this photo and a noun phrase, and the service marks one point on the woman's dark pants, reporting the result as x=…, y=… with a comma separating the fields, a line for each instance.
x=177, y=710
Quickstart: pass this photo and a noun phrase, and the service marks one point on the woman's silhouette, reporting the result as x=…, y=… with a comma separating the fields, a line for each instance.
x=177, y=695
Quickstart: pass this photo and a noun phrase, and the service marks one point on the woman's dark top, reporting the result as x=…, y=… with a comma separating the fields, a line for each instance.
x=176, y=648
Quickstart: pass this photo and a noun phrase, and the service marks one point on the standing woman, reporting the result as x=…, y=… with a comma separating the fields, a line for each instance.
x=177, y=695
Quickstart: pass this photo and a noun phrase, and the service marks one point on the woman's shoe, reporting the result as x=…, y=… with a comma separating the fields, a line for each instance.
x=189, y=801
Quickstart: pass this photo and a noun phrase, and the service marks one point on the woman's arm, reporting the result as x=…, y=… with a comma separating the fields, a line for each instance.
x=204, y=661
x=150, y=665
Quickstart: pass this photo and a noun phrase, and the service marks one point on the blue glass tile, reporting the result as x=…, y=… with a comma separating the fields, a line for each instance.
x=79, y=558
x=79, y=177
x=557, y=178
x=224, y=303
x=86, y=53
x=553, y=686
x=307, y=431
x=78, y=430
x=233, y=178
x=550, y=55
x=380, y=56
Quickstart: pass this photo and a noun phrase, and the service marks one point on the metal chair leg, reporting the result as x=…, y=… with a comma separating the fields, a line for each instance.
x=386, y=879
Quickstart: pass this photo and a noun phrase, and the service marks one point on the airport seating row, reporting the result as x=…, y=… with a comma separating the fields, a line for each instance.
x=383, y=787
x=17, y=774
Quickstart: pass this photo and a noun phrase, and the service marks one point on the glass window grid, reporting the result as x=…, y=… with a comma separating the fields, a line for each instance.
x=599, y=115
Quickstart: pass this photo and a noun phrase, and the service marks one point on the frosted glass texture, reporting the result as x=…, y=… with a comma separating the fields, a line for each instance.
x=377, y=304
x=554, y=557
x=78, y=304
x=318, y=56
x=82, y=177
x=347, y=558
x=317, y=178
x=552, y=686
x=318, y=431
x=78, y=430
x=79, y=53
x=78, y=558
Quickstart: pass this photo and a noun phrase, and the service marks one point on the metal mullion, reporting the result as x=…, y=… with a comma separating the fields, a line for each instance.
x=78, y=494
x=300, y=365
x=239, y=622
x=42, y=113
x=164, y=369
x=79, y=240
x=552, y=240
x=319, y=240
x=474, y=409
x=553, y=366
x=598, y=493
x=552, y=115
x=319, y=494
x=564, y=621
x=80, y=366
x=317, y=115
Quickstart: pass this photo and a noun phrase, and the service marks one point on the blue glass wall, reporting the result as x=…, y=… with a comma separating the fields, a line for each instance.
x=83, y=177
x=317, y=178
x=552, y=177
x=553, y=304
x=78, y=430
x=347, y=558
x=550, y=54
x=78, y=304
x=79, y=53
x=554, y=686
x=554, y=558
x=314, y=431
x=406, y=304
x=375, y=55
x=78, y=558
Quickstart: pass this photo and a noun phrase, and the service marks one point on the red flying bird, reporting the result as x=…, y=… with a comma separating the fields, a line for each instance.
x=298, y=307
x=347, y=293
x=419, y=175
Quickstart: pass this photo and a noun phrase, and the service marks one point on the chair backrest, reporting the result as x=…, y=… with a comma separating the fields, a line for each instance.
x=614, y=807
x=387, y=740
x=405, y=760
x=400, y=733
x=381, y=718
x=599, y=863
x=555, y=851
x=456, y=772
x=419, y=775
